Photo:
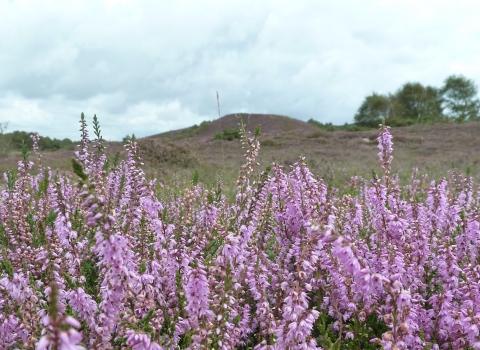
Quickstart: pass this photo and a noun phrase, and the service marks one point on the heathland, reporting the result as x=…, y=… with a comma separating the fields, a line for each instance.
x=284, y=236
x=214, y=151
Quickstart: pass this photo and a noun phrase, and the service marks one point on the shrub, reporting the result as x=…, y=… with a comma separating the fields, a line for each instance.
x=160, y=152
x=227, y=134
x=270, y=143
x=326, y=126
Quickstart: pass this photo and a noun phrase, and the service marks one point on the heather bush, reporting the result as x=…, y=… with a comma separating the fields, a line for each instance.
x=163, y=153
x=95, y=259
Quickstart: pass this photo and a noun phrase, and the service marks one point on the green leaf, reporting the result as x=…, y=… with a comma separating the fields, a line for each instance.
x=196, y=176
x=257, y=131
x=116, y=159
x=24, y=151
x=7, y=267
x=106, y=165
x=143, y=267
x=11, y=179
x=78, y=170
x=96, y=128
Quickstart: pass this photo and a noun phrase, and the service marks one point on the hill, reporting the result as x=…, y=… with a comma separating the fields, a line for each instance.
x=434, y=149
x=271, y=124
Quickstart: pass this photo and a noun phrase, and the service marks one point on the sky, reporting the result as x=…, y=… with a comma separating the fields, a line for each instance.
x=147, y=67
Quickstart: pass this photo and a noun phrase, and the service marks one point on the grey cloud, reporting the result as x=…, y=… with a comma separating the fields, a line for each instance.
x=148, y=66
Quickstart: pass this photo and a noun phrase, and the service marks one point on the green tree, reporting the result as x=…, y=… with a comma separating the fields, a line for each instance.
x=373, y=109
x=17, y=138
x=459, y=98
x=418, y=103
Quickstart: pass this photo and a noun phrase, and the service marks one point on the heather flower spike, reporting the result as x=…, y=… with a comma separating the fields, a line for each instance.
x=55, y=336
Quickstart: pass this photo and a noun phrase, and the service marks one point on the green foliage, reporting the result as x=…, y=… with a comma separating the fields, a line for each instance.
x=401, y=122
x=106, y=165
x=24, y=151
x=3, y=237
x=326, y=126
x=6, y=267
x=11, y=179
x=329, y=127
x=353, y=127
x=90, y=271
x=78, y=170
x=52, y=216
x=144, y=323
x=459, y=97
x=96, y=128
x=116, y=159
x=43, y=185
x=414, y=103
x=269, y=143
x=316, y=134
x=15, y=139
x=196, y=177
x=143, y=267
x=98, y=135
x=257, y=131
x=227, y=134
x=363, y=332
x=373, y=109
x=417, y=103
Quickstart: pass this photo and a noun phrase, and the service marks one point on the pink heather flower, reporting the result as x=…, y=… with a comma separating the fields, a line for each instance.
x=403, y=299
x=297, y=324
x=11, y=330
x=66, y=340
x=83, y=303
x=18, y=288
x=342, y=251
x=385, y=145
x=197, y=293
x=141, y=341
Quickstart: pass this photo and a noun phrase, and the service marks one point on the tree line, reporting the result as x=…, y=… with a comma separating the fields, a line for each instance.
x=14, y=141
x=415, y=103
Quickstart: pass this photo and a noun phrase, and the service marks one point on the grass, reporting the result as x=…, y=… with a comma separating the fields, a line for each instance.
x=434, y=149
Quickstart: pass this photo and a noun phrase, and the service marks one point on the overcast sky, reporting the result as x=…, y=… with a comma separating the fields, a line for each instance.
x=152, y=66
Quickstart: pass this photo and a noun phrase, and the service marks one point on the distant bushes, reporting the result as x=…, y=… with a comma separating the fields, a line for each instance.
x=326, y=126
x=346, y=127
x=227, y=134
x=13, y=141
x=270, y=143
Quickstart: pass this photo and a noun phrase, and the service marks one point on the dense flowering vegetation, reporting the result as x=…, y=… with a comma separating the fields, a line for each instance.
x=95, y=259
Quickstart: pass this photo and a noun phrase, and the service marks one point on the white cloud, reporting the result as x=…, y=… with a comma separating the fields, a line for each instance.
x=158, y=63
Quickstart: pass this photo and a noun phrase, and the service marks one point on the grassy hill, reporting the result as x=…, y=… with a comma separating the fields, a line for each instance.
x=434, y=149
x=270, y=124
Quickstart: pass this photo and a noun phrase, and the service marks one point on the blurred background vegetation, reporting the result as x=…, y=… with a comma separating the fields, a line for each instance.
x=434, y=129
x=12, y=141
